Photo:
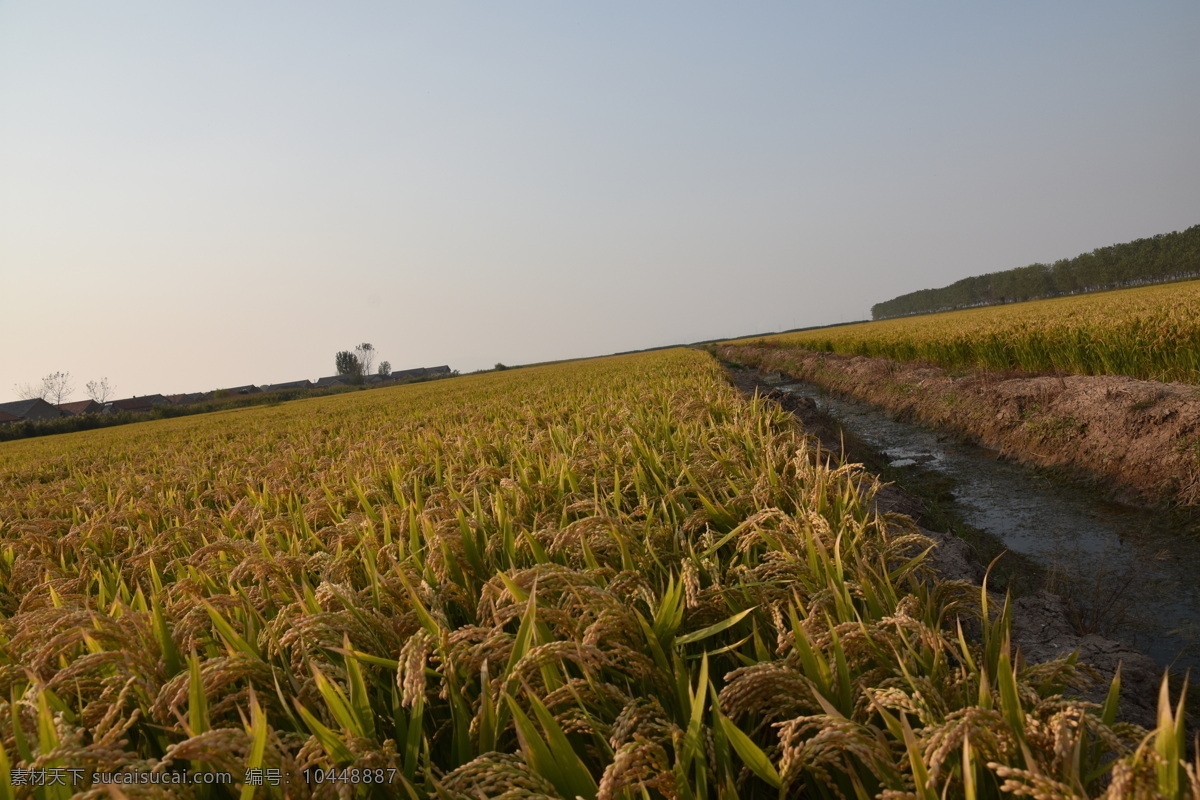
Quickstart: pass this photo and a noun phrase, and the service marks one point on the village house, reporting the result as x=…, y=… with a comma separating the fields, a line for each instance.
x=420, y=372
x=35, y=408
x=81, y=407
x=280, y=387
x=137, y=404
x=191, y=397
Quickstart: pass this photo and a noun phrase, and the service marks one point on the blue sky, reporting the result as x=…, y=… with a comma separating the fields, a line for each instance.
x=195, y=195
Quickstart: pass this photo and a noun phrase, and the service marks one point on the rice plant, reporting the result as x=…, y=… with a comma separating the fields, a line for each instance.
x=1151, y=333
x=610, y=579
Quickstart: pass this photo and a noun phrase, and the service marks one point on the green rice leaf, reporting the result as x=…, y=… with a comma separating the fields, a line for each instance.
x=750, y=753
x=712, y=630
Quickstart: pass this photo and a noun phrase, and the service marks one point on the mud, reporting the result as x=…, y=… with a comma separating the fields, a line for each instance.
x=1041, y=622
x=1139, y=440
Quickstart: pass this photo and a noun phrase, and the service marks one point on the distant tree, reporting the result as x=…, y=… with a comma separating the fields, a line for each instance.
x=31, y=391
x=1164, y=257
x=366, y=356
x=100, y=390
x=55, y=388
x=500, y=366
x=348, y=364
x=385, y=368
x=58, y=387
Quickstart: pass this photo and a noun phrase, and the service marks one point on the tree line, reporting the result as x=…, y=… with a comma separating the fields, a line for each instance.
x=57, y=388
x=1158, y=259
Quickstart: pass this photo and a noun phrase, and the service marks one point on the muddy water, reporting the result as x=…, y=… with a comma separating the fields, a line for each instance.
x=1133, y=572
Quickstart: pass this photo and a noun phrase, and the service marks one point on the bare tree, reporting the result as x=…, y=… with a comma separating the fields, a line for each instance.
x=100, y=390
x=366, y=356
x=58, y=387
x=31, y=391
x=55, y=388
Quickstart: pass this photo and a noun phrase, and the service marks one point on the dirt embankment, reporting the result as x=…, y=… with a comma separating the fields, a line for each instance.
x=1139, y=439
x=1041, y=628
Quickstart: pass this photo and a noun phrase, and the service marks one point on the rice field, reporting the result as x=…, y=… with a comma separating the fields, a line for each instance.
x=610, y=579
x=1152, y=333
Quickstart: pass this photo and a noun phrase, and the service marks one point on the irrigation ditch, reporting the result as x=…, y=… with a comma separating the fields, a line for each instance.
x=1137, y=441
x=1115, y=582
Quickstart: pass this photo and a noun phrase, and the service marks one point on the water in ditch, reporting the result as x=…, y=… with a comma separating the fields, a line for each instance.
x=1134, y=569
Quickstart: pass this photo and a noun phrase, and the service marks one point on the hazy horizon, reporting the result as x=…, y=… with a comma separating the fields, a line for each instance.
x=204, y=196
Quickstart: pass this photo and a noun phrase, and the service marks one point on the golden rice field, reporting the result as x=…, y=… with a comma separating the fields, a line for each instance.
x=1151, y=332
x=610, y=579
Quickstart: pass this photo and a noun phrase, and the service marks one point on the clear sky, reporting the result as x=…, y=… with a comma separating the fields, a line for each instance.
x=206, y=194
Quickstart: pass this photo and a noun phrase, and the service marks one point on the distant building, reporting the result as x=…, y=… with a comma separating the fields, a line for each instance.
x=420, y=372
x=279, y=387
x=81, y=407
x=37, y=408
x=137, y=404
x=188, y=398
x=242, y=390
x=335, y=380
x=6, y=418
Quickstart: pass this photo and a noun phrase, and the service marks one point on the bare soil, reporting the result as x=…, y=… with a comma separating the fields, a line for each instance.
x=1139, y=439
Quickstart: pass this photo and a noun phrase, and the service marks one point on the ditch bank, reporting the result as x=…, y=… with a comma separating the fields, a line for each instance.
x=1044, y=625
x=1139, y=440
